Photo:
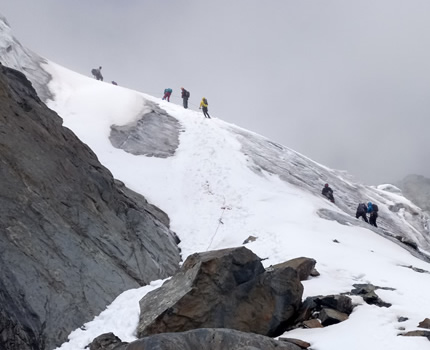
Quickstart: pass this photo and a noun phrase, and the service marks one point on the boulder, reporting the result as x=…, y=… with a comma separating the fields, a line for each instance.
x=223, y=289
x=303, y=266
x=210, y=339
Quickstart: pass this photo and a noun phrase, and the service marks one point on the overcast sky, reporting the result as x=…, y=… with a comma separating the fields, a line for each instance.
x=346, y=83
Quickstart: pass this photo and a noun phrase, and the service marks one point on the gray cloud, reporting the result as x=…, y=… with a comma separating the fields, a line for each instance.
x=347, y=84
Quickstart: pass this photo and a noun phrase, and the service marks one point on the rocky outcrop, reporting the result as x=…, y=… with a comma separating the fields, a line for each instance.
x=71, y=239
x=204, y=338
x=367, y=292
x=154, y=134
x=223, y=289
x=322, y=311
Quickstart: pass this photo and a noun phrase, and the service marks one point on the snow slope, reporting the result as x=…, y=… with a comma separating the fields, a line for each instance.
x=217, y=194
x=225, y=183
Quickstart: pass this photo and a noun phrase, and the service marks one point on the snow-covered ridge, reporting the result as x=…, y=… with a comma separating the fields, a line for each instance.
x=14, y=55
x=224, y=183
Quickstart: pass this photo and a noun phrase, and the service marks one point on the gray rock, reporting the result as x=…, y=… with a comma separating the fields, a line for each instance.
x=210, y=339
x=154, y=134
x=71, y=239
x=227, y=288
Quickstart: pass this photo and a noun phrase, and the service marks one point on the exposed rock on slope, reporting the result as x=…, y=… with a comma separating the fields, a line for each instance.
x=204, y=338
x=227, y=288
x=138, y=137
x=71, y=240
x=16, y=56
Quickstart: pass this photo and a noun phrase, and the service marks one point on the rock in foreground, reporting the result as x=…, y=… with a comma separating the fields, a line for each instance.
x=210, y=339
x=71, y=239
x=223, y=289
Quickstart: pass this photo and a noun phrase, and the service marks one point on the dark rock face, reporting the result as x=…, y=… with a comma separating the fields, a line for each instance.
x=223, y=289
x=210, y=339
x=155, y=134
x=71, y=240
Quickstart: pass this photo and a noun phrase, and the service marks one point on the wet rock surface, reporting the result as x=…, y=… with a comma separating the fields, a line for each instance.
x=71, y=238
x=227, y=288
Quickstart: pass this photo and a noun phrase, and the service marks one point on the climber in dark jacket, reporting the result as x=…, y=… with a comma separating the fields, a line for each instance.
x=185, y=96
x=361, y=212
x=328, y=192
x=372, y=209
x=97, y=73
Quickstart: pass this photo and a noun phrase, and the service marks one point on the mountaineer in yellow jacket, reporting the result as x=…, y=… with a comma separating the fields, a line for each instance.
x=204, y=107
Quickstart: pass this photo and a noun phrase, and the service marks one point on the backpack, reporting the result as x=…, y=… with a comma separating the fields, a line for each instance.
x=375, y=208
x=187, y=94
x=205, y=101
x=94, y=71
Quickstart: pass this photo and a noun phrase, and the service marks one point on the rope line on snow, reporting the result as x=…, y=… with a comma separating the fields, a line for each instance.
x=220, y=222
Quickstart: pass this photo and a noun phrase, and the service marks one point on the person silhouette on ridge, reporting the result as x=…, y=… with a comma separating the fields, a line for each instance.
x=185, y=96
x=97, y=73
x=167, y=93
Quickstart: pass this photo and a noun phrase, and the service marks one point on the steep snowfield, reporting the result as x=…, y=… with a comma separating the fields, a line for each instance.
x=225, y=183
x=217, y=195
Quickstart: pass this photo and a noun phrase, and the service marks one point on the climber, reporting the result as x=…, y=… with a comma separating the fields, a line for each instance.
x=361, y=212
x=328, y=192
x=167, y=93
x=372, y=209
x=97, y=73
x=185, y=96
x=204, y=107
